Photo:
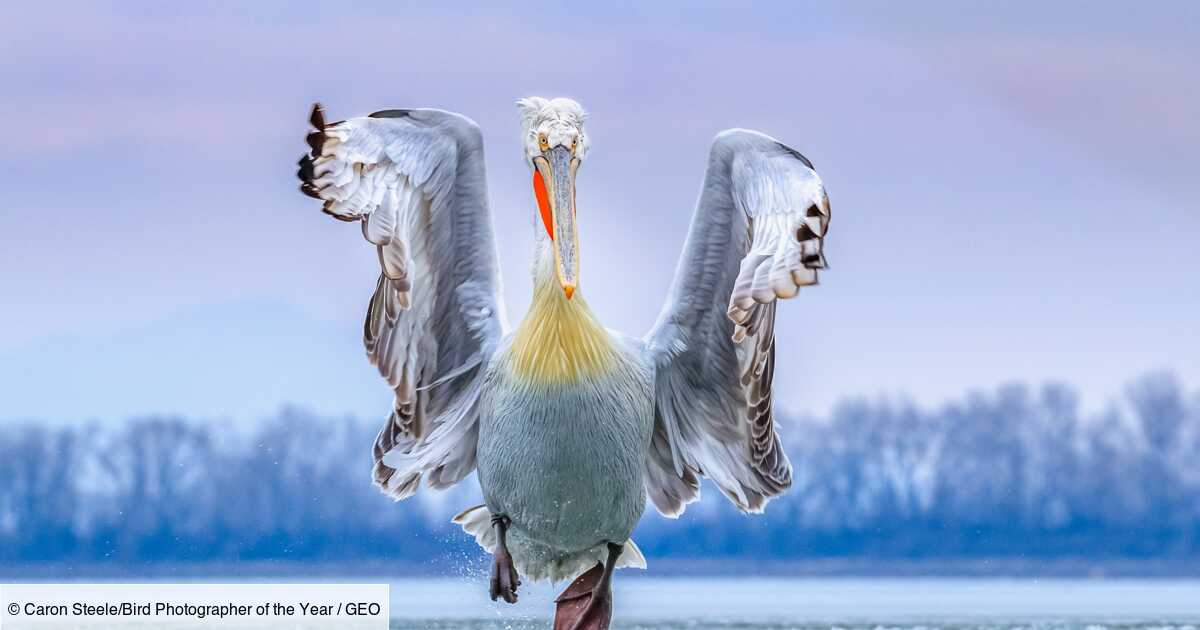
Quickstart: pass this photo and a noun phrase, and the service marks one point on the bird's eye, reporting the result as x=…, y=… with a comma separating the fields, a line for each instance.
x=542, y=142
x=574, y=141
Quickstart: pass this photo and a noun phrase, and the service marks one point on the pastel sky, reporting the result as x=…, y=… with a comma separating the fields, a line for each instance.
x=1014, y=186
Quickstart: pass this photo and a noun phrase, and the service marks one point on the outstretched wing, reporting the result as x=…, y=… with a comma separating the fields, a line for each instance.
x=757, y=236
x=415, y=180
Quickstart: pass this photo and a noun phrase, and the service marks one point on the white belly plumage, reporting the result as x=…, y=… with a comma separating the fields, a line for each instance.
x=565, y=462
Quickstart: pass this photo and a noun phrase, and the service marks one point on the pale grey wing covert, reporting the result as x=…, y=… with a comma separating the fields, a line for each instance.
x=757, y=236
x=415, y=180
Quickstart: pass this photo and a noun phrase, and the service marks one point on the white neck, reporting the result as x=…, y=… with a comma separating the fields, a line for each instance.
x=559, y=339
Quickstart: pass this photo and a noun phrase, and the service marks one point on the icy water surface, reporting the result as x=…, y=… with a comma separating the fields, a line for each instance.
x=822, y=604
x=492, y=624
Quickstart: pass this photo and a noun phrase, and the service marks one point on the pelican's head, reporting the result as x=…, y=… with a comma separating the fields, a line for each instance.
x=555, y=145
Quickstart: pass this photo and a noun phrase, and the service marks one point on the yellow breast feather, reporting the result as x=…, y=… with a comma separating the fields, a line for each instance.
x=560, y=340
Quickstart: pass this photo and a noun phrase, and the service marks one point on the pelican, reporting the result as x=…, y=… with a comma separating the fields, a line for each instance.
x=568, y=426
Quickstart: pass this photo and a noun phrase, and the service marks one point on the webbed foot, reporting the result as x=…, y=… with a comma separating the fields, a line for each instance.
x=504, y=581
x=587, y=603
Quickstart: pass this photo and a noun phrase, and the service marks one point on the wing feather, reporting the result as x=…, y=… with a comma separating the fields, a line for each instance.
x=757, y=237
x=415, y=180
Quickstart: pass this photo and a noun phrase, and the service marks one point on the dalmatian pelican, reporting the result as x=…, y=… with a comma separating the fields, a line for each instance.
x=568, y=426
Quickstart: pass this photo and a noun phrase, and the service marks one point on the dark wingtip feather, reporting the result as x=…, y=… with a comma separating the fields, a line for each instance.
x=316, y=141
x=310, y=190
x=326, y=209
x=306, y=169
x=317, y=117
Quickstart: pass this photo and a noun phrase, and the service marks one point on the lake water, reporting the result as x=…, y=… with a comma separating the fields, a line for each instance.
x=821, y=603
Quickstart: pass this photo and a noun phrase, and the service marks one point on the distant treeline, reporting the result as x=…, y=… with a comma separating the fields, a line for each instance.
x=1017, y=472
